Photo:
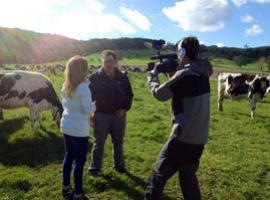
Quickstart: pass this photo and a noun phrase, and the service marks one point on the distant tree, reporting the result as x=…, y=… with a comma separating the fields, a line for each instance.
x=119, y=55
x=240, y=60
x=261, y=63
x=267, y=60
x=169, y=46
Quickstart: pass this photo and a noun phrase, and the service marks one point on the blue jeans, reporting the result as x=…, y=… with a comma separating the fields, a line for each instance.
x=75, y=149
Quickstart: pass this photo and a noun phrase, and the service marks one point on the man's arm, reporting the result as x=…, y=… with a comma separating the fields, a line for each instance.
x=92, y=85
x=162, y=92
x=128, y=93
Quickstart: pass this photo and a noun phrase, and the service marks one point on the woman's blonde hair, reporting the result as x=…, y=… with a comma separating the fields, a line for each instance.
x=76, y=72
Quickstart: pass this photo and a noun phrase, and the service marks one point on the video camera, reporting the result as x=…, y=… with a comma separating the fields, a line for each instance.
x=167, y=62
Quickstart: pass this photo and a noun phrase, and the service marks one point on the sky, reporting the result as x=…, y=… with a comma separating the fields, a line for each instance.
x=233, y=23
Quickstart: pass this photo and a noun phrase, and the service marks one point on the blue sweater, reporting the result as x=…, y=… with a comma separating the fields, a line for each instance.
x=75, y=118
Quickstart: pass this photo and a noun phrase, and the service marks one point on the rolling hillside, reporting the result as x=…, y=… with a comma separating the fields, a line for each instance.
x=27, y=47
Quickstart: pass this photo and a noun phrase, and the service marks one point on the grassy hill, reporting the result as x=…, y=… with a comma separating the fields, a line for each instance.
x=19, y=46
x=235, y=164
x=22, y=46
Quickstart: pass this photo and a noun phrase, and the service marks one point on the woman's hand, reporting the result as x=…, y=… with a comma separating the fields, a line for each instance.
x=92, y=120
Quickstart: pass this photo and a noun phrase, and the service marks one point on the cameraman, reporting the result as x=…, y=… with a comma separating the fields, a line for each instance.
x=189, y=89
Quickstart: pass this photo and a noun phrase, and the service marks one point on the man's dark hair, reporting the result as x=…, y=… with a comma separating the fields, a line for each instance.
x=109, y=53
x=192, y=47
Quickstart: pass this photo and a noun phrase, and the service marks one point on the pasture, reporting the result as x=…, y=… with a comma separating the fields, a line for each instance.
x=141, y=57
x=235, y=164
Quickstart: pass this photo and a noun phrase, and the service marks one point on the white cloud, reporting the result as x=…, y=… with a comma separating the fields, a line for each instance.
x=95, y=6
x=202, y=42
x=219, y=44
x=242, y=2
x=239, y=2
x=247, y=18
x=262, y=1
x=136, y=18
x=199, y=15
x=254, y=30
x=76, y=19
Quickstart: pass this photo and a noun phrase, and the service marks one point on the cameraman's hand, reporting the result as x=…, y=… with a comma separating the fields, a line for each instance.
x=154, y=71
x=171, y=73
x=153, y=76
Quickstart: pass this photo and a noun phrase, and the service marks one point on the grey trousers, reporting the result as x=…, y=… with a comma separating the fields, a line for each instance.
x=105, y=124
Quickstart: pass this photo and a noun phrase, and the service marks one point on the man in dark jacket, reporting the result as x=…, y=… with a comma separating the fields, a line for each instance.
x=112, y=92
x=189, y=89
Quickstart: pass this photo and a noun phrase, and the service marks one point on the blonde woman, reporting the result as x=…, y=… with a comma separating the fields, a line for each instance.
x=75, y=124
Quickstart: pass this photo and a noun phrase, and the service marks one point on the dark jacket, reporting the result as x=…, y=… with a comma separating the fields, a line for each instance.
x=110, y=95
x=189, y=90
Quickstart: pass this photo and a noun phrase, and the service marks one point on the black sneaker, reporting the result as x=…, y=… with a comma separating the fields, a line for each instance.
x=93, y=172
x=67, y=193
x=80, y=197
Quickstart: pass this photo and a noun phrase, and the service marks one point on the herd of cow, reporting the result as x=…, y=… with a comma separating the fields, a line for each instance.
x=20, y=88
x=38, y=68
x=52, y=69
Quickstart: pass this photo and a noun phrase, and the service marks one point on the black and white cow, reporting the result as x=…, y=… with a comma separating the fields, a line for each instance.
x=268, y=90
x=29, y=89
x=239, y=85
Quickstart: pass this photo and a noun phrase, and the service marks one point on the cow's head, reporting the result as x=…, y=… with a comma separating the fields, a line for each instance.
x=57, y=114
x=236, y=85
x=257, y=88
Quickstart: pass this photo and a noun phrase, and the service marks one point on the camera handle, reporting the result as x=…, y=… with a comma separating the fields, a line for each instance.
x=158, y=53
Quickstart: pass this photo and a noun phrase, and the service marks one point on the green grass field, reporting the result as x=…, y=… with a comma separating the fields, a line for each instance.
x=127, y=57
x=227, y=64
x=235, y=164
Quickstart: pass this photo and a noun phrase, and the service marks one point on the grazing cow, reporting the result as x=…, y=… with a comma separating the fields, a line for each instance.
x=238, y=85
x=60, y=67
x=124, y=72
x=29, y=89
x=137, y=69
x=268, y=78
x=43, y=69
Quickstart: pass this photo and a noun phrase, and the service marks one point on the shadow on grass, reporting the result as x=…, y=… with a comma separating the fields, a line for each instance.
x=136, y=179
x=142, y=183
x=248, y=115
x=43, y=148
x=11, y=126
x=115, y=183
